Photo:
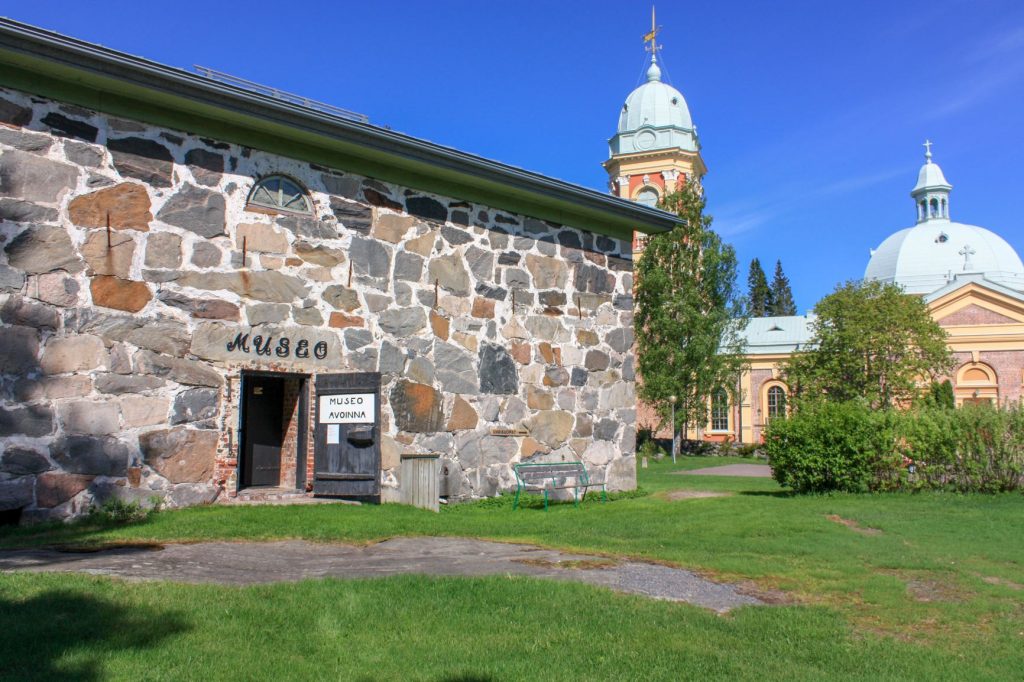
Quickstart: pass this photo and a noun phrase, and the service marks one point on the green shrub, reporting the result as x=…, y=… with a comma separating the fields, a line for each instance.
x=748, y=449
x=849, y=447
x=833, y=446
x=650, y=449
x=115, y=511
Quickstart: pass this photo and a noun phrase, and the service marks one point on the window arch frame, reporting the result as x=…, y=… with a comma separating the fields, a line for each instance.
x=974, y=389
x=262, y=207
x=780, y=408
x=647, y=188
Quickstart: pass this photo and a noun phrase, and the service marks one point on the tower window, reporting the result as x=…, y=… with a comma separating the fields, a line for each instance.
x=648, y=197
x=280, y=193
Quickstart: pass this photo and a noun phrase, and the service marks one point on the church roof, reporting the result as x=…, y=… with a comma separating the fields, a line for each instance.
x=937, y=250
x=927, y=256
x=774, y=335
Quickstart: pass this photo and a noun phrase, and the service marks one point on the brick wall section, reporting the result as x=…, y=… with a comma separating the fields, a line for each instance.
x=759, y=411
x=1009, y=369
x=974, y=314
x=290, y=425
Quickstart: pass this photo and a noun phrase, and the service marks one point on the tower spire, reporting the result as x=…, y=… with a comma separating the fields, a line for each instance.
x=652, y=38
x=931, y=194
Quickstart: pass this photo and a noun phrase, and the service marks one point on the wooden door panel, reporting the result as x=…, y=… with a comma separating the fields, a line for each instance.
x=347, y=455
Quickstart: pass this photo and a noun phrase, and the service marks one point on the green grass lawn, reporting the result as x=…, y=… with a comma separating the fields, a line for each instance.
x=875, y=587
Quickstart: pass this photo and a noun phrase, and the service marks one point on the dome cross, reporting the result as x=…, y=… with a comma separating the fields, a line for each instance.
x=967, y=252
x=928, y=150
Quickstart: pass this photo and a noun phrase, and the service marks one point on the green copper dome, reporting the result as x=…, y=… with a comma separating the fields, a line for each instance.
x=655, y=116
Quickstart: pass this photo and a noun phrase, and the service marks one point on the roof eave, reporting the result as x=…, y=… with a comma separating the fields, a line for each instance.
x=122, y=84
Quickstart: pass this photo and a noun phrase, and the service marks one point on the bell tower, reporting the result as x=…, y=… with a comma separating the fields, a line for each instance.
x=655, y=147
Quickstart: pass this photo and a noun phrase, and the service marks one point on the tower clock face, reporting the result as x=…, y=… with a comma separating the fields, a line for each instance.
x=645, y=140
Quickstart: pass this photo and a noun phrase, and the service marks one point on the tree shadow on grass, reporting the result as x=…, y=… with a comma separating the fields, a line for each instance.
x=81, y=533
x=65, y=635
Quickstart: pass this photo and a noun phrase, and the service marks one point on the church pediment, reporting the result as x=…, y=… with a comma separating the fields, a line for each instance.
x=975, y=305
x=975, y=314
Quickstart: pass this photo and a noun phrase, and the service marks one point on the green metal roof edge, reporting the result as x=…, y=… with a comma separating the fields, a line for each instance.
x=67, y=69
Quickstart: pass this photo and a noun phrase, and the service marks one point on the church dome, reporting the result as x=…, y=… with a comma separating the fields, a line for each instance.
x=654, y=104
x=936, y=251
x=655, y=116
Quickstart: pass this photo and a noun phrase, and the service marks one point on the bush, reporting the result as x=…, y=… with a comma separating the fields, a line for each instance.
x=974, y=448
x=117, y=512
x=832, y=446
x=849, y=447
x=649, y=448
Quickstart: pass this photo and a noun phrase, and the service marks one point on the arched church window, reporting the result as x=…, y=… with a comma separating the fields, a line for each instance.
x=933, y=208
x=720, y=410
x=280, y=193
x=945, y=211
x=776, y=402
x=648, y=197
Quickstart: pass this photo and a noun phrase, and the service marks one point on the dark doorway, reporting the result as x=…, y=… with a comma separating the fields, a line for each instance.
x=273, y=433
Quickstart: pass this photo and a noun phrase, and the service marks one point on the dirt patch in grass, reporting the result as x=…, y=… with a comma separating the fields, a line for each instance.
x=766, y=594
x=933, y=591
x=853, y=525
x=674, y=495
x=928, y=588
x=1002, y=582
x=574, y=564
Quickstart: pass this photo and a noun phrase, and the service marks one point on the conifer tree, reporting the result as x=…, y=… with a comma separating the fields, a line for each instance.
x=782, y=302
x=758, y=292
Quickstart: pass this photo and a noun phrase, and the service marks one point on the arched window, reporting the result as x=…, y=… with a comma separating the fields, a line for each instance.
x=945, y=210
x=648, y=197
x=280, y=193
x=776, y=402
x=933, y=208
x=976, y=382
x=720, y=410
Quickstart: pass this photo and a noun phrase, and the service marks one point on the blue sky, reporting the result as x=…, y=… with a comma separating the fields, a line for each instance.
x=811, y=113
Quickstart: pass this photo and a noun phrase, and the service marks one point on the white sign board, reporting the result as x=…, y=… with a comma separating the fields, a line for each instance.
x=348, y=408
x=333, y=434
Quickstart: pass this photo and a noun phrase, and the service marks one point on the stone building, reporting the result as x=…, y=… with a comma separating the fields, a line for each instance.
x=208, y=293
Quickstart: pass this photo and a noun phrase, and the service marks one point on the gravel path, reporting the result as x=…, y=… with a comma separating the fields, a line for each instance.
x=251, y=563
x=750, y=470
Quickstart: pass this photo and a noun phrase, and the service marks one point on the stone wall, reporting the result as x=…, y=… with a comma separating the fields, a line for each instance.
x=122, y=273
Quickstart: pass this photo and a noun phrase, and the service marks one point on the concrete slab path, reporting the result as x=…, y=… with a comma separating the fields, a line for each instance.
x=242, y=563
x=749, y=470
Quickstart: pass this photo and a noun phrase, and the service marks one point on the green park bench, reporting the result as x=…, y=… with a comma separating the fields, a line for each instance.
x=550, y=476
